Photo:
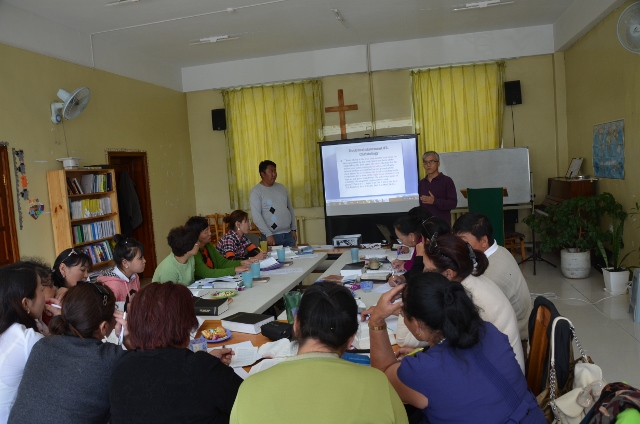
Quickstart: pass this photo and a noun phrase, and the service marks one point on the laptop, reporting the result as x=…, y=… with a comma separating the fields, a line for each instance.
x=387, y=234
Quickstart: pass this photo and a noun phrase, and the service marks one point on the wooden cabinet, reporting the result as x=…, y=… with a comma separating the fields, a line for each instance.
x=95, y=218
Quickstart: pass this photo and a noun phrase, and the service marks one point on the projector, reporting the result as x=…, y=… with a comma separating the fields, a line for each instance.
x=352, y=240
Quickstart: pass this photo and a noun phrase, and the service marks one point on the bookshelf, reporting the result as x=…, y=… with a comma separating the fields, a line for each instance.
x=84, y=211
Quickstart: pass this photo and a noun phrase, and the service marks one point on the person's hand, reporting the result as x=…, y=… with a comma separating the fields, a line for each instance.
x=60, y=293
x=261, y=256
x=396, y=280
x=241, y=268
x=294, y=234
x=271, y=241
x=52, y=310
x=224, y=355
x=397, y=264
x=364, y=315
x=402, y=352
x=386, y=306
x=120, y=323
x=428, y=199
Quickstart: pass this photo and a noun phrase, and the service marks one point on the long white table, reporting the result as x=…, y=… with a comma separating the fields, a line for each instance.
x=262, y=295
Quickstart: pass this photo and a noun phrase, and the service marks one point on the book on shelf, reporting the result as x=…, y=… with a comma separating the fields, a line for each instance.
x=76, y=184
x=93, y=231
x=210, y=306
x=245, y=322
x=99, y=252
x=87, y=208
x=86, y=183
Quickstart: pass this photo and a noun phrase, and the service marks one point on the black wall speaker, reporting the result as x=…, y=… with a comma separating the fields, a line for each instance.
x=512, y=93
x=218, y=119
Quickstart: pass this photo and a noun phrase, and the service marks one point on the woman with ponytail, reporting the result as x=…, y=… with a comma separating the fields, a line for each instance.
x=123, y=279
x=468, y=375
x=72, y=367
x=316, y=386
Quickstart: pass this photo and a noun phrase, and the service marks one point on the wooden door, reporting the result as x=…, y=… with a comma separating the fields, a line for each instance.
x=135, y=163
x=8, y=235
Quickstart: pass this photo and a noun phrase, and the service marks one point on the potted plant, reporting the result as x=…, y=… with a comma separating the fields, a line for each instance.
x=573, y=228
x=616, y=275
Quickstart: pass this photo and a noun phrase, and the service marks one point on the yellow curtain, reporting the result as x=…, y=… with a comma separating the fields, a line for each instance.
x=459, y=108
x=282, y=123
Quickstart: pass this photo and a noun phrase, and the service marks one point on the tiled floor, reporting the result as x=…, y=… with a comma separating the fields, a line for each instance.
x=606, y=330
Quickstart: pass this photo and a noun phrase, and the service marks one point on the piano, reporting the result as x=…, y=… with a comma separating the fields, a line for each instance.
x=562, y=189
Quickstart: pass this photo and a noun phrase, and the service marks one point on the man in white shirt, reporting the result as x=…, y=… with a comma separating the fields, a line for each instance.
x=476, y=229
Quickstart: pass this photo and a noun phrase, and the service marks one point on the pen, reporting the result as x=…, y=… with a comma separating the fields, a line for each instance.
x=124, y=317
x=55, y=305
x=413, y=352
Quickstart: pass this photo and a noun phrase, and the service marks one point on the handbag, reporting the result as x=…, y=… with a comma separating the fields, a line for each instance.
x=582, y=389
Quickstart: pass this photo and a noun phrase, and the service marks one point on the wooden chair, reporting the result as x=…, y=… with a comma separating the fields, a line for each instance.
x=514, y=240
x=539, y=344
x=217, y=225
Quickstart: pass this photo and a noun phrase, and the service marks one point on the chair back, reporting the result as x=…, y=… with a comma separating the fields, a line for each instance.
x=488, y=201
x=539, y=344
x=217, y=225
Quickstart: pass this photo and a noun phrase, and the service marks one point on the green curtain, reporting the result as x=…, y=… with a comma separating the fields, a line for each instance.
x=458, y=108
x=282, y=123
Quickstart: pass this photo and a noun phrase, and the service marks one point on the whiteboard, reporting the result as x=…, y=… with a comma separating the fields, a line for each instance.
x=490, y=168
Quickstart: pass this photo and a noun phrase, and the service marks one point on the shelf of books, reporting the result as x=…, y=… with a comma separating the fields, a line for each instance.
x=84, y=211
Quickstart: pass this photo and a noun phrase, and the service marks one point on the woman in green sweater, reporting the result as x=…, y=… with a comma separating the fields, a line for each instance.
x=209, y=263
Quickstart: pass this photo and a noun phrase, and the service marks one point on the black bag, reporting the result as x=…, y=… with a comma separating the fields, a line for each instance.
x=276, y=330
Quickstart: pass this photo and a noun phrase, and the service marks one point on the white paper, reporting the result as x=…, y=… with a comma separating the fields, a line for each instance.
x=264, y=364
x=266, y=263
x=245, y=354
x=280, y=271
x=322, y=247
x=278, y=349
x=241, y=373
x=374, y=253
x=383, y=288
x=403, y=257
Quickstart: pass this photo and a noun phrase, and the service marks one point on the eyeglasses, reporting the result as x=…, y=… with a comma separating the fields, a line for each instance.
x=429, y=162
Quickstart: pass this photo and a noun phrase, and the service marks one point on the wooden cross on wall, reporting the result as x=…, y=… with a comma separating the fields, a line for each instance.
x=341, y=108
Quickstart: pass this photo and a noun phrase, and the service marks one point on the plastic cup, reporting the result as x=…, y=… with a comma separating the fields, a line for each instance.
x=255, y=269
x=355, y=255
x=366, y=286
x=280, y=255
x=247, y=279
x=263, y=246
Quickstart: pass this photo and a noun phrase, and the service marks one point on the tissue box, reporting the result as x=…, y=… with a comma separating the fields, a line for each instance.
x=198, y=344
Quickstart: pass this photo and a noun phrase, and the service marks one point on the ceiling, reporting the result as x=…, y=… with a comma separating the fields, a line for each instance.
x=162, y=30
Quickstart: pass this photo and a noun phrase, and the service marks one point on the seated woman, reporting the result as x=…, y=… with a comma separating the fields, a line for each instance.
x=235, y=244
x=316, y=386
x=66, y=377
x=407, y=229
x=123, y=278
x=468, y=375
x=162, y=381
x=452, y=257
x=71, y=266
x=22, y=301
x=179, y=265
x=209, y=263
x=415, y=231
x=44, y=272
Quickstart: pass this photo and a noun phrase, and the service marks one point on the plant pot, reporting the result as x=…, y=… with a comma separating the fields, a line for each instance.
x=615, y=282
x=575, y=264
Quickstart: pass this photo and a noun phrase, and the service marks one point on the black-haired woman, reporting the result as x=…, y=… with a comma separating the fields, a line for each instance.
x=22, y=302
x=316, y=386
x=72, y=367
x=128, y=255
x=71, y=266
x=468, y=375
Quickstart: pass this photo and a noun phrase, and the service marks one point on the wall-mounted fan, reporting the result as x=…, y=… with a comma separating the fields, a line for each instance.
x=72, y=104
x=629, y=28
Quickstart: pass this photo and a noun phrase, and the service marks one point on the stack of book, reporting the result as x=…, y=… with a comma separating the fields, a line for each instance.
x=98, y=252
x=354, y=269
x=245, y=322
x=90, y=183
x=87, y=208
x=93, y=231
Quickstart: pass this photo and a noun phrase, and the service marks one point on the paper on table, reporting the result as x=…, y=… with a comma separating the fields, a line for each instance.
x=374, y=253
x=362, y=340
x=322, y=247
x=241, y=373
x=278, y=349
x=264, y=364
x=245, y=354
x=383, y=288
x=282, y=271
x=402, y=257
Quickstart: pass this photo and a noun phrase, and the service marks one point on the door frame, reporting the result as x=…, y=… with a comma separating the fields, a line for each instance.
x=11, y=212
x=147, y=214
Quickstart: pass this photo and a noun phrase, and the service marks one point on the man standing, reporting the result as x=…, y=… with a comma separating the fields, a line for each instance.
x=476, y=229
x=271, y=208
x=437, y=191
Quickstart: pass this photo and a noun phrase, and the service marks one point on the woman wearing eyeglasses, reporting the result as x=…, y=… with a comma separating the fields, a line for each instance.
x=22, y=301
x=71, y=266
x=468, y=375
x=235, y=244
x=452, y=257
x=72, y=367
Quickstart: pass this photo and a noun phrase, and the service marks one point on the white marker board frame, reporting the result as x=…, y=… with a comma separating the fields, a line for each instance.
x=490, y=168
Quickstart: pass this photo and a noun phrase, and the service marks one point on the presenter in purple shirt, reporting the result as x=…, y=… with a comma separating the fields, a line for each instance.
x=437, y=191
